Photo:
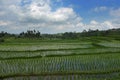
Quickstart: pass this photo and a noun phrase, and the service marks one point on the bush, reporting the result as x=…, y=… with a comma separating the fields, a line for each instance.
x=1, y=40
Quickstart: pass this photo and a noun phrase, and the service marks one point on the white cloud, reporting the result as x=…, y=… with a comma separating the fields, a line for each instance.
x=39, y=14
x=100, y=9
x=4, y=23
x=43, y=12
x=97, y=25
x=93, y=22
x=2, y=13
x=115, y=12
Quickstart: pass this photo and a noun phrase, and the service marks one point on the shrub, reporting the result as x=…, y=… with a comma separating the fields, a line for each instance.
x=1, y=40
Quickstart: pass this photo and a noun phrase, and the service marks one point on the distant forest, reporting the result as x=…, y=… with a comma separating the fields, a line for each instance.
x=33, y=34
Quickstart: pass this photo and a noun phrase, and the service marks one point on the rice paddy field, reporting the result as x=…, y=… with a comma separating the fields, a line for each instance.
x=60, y=60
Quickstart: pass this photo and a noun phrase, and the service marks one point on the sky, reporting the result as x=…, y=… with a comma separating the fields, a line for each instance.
x=57, y=16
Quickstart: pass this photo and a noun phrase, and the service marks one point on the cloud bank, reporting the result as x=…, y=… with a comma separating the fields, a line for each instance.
x=42, y=15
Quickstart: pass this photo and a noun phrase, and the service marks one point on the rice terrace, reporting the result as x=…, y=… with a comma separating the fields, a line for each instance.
x=59, y=39
x=87, y=58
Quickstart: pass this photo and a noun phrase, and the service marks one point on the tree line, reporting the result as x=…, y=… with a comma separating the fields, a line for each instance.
x=33, y=34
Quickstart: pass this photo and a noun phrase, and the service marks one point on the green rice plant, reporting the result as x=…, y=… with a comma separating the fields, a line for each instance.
x=42, y=47
x=110, y=44
x=59, y=60
x=62, y=52
x=75, y=64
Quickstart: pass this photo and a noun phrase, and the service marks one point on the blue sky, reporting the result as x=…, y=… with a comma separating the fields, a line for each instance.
x=54, y=16
x=85, y=8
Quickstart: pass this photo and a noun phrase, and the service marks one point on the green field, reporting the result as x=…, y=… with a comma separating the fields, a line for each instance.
x=83, y=59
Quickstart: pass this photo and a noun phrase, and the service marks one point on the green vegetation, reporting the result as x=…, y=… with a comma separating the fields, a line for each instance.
x=85, y=58
x=1, y=40
x=33, y=34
